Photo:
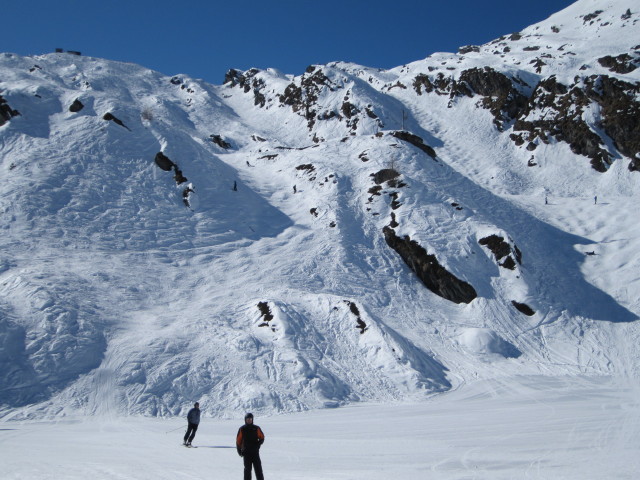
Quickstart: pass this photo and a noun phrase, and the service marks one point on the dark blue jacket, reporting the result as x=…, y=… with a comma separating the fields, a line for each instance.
x=194, y=416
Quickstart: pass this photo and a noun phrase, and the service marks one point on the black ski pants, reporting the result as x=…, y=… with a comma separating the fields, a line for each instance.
x=252, y=459
x=191, y=432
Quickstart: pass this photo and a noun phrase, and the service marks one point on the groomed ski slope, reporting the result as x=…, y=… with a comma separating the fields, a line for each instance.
x=564, y=428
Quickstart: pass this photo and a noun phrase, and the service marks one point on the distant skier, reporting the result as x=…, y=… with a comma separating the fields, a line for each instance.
x=193, y=419
x=248, y=442
x=595, y=200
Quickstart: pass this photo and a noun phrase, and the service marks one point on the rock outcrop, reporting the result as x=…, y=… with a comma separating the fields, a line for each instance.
x=6, y=112
x=416, y=141
x=303, y=98
x=505, y=254
x=433, y=275
x=76, y=106
x=110, y=117
x=564, y=108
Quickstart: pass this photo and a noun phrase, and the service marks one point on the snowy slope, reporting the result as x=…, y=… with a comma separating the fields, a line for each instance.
x=253, y=271
x=531, y=427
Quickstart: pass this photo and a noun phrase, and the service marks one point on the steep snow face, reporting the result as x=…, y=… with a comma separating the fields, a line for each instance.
x=166, y=241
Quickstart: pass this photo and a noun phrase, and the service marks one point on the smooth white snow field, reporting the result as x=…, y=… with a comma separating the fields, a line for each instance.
x=529, y=427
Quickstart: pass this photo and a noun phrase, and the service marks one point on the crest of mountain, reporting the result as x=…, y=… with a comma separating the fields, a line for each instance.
x=281, y=243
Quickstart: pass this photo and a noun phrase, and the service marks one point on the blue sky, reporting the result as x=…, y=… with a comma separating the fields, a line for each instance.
x=204, y=39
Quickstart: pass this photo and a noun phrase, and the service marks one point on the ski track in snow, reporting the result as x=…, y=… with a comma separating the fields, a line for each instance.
x=117, y=300
x=503, y=428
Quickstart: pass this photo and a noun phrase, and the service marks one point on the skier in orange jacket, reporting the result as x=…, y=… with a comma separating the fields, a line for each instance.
x=248, y=442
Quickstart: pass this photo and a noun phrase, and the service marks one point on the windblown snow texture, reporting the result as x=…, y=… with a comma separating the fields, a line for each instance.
x=165, y=240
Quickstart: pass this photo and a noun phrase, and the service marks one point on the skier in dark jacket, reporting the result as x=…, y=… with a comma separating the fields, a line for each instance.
x=248, y=442
x=193, y=419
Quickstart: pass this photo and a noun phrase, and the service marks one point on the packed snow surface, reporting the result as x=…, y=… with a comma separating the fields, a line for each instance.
x=568, y=428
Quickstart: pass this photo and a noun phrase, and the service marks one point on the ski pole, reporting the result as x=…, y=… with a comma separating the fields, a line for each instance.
x=174, y=430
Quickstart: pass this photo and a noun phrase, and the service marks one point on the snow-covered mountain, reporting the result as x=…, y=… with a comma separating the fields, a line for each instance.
x=285, y=243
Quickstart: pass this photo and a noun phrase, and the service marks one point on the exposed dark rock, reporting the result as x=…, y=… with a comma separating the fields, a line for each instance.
x=433, y=275
x=178, y=176
x=398, y=84
x=497, y=245
x=265, y=314
x=76, y=106
x=303, y=98
x=624, y=63
x=523, y=308
x=416, y=141
x=185, y=196
x=509, y=263
x=247, y=82
x=349, y=110
x=232, y=77
x=499, y=94
x=218, y=140
x=564, y=107
x=329, y=115
x=395, y=204
x=468, y=49
x=375, y=191
x=112, y=118
x=384, y=175
x=308, y=167
x=167, y=165
x=563, y=120
x=360, y=324
x=292, y=96
x=164, y=162
x=517, y=139
x=517, y=253
x=591, y=17
x=440, y=84
x=6, y=112
x=620, y=111
x=501, y=249
x=538, y=63
x=370, y=113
